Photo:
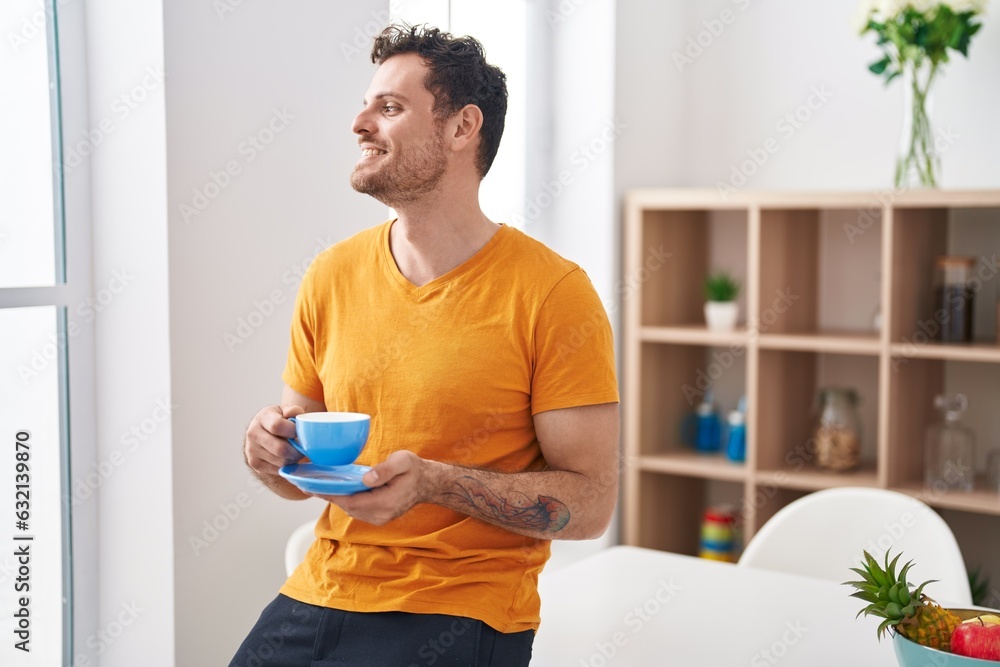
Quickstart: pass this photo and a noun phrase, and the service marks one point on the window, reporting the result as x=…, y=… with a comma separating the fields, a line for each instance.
x=35, y=564
x=504, y=35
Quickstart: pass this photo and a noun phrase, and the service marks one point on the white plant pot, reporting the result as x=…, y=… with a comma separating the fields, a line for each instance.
x=721, y=315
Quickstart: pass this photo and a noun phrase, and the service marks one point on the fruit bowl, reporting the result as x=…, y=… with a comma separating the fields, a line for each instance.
x=912, y=654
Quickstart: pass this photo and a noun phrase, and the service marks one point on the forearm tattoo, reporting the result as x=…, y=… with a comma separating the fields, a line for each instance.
x=546, y=514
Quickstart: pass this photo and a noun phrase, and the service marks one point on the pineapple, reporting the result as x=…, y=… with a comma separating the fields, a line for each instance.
x=908, y=611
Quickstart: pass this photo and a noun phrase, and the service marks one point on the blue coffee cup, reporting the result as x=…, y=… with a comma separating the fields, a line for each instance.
x=330, y=438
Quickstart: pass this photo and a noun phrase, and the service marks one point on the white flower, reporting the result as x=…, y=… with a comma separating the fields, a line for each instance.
x=959, y=6
x=860, y=19
x=890, y=9
x=887, y=10
x=924, y=6
x=866, y=7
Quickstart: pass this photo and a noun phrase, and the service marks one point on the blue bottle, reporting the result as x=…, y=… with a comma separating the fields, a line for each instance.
x=736, y=436
x=702, y=429
x=709, y=437
x=736, y=445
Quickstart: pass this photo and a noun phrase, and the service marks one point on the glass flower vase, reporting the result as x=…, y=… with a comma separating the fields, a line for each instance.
x=919, y=163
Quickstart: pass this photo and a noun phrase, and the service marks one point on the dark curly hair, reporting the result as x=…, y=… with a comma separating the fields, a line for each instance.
x=459, y=75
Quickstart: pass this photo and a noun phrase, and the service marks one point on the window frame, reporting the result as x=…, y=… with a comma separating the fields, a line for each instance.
x=65, y=35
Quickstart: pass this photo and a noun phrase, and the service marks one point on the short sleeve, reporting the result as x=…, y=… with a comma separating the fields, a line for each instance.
x=301, y=373
x=574, y=348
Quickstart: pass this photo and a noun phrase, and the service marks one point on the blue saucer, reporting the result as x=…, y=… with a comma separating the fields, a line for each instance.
x=329, y=481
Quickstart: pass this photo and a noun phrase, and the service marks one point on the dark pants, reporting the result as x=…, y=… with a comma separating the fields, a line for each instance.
x=294, y=634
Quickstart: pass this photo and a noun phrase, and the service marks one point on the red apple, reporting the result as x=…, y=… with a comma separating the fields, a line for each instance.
x=974, y=639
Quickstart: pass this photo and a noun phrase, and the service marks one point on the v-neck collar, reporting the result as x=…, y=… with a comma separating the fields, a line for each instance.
x=465, y=267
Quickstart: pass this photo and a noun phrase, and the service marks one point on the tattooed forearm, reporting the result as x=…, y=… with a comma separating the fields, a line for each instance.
x=545, y=514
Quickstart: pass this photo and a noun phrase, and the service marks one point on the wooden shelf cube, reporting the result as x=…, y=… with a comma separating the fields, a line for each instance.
x=836, y=286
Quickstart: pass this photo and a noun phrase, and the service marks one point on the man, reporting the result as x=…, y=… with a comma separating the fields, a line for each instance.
x=486, y=362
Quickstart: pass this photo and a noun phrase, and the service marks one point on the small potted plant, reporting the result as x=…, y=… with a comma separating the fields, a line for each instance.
x=721, y=310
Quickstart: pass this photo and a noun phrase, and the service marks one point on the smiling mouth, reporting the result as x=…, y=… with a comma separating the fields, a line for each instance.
x=369, y=152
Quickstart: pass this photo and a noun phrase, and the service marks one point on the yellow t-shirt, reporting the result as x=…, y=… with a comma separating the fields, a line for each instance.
x=453, y=371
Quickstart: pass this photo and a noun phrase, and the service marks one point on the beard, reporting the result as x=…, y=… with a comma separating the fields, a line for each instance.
x=404, y=175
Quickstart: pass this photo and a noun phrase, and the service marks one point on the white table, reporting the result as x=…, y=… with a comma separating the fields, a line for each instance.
x=631, y=607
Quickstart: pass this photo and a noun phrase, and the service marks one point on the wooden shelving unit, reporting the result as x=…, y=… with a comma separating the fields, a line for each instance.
x=816, y=268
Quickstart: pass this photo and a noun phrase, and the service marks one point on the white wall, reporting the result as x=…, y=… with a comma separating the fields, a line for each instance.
x=292, y=74
x=571, y=186
x=698, y=120
x=585, y=128
x=132, y=349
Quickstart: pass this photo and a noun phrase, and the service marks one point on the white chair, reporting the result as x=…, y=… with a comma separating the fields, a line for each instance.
x=823, y=534
x=298, y=544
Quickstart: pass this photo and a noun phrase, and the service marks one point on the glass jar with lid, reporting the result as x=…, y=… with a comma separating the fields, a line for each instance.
x=838, y=433
x=954, y=298
x=949, y=449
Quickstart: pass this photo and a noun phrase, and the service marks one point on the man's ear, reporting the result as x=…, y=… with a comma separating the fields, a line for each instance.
x=465, y=126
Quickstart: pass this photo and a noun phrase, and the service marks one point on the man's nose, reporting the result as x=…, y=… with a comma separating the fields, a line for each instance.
x=361, y=124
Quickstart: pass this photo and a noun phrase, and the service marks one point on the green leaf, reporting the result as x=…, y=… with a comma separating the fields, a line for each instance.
x=864, y=574
x=963, y=44
x=979, y=584
x=891, y=569
x=721, y=286
x=879, y=66
x=955, y=38
x=920, y=588
x=875, y=610
x=906, y=568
